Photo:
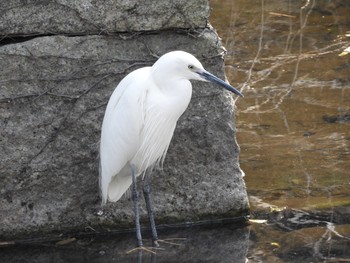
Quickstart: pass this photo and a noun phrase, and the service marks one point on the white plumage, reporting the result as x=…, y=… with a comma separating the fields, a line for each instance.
x=139, y=123
x=141, y=116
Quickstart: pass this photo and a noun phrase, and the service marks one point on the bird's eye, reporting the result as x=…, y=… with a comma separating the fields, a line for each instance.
x=191, y=67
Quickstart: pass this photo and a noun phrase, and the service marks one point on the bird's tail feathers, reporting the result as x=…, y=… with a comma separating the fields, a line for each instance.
x=119, y=184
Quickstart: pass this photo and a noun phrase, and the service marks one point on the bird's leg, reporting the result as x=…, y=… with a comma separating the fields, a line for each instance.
x=135, y=198
x=136, y=201
x=147, y=194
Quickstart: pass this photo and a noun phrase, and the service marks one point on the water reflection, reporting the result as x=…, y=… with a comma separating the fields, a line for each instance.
x=327, y=243
x=224, y=243
x=287, y=236
x=293, y=124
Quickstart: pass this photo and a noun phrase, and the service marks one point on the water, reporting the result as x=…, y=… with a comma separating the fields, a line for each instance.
x=293, y=124
x=217, y=242
x=294, y=133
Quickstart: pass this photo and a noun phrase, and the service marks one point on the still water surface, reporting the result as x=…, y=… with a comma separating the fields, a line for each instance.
x=294, y=122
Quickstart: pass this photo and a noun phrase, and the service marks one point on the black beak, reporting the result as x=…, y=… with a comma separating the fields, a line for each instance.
x=212, y=78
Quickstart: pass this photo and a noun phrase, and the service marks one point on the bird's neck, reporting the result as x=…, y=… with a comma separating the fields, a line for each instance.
x=174, y=95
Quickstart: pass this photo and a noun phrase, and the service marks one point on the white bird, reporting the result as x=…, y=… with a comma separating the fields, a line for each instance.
x=139, y=123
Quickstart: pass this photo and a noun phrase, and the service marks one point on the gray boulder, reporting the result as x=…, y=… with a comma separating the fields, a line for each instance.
x=101, y=16
x=53, y=93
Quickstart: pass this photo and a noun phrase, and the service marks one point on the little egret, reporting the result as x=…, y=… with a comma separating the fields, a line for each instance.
x=139, y=123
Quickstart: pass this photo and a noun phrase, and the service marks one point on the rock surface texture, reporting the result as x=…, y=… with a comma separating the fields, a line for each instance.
x=99, y=16
x=54, y=87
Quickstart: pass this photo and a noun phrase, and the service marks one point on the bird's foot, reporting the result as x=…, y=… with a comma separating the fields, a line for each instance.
x=171, y=241
x=142, y=248
x=155, y=247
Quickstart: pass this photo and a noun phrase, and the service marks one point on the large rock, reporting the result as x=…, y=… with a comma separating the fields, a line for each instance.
x=53, y=93
x=19, y=17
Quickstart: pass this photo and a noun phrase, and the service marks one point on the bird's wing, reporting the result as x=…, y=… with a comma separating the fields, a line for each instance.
x=120, y=134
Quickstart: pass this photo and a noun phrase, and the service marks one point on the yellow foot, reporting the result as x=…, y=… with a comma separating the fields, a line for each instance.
x=139, y=249
x=171, y=241
x=152, y=250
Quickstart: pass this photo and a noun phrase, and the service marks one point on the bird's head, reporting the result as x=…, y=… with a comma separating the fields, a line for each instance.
x=183, y=65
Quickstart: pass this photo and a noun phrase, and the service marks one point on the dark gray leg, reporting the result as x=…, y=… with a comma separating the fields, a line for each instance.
x=135, y=198
x=147, y=195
